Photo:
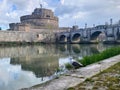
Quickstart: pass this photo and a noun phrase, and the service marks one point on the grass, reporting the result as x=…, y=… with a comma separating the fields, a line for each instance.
x=87, y=60
x=101, y=56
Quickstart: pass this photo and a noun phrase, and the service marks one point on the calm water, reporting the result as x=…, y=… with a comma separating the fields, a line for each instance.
x=25, y=66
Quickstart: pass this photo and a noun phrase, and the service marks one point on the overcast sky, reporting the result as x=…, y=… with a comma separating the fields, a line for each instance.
x=70, y=12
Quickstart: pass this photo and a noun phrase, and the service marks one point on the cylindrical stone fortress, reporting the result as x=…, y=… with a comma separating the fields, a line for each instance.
x=41, y=18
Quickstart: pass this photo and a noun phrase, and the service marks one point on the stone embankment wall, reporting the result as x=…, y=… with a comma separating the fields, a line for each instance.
x=17, y=36
x=31, y=36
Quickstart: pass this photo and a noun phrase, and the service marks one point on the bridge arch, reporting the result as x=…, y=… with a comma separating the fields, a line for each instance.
x=98, y=35
x=75, y=38
x=63, y=39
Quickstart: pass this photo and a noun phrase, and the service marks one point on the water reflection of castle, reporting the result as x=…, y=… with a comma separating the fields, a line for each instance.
x=41, y=66
x=44, y=60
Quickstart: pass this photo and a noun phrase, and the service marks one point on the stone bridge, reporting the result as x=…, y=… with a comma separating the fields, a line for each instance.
x=101, y=33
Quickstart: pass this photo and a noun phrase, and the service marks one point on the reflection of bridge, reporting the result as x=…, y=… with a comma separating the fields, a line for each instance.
x=79, y=50
x=106, y=33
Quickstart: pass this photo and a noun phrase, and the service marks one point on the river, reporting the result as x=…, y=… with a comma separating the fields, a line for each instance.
x=25, y=66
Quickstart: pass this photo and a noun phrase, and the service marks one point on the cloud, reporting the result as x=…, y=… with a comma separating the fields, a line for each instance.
x=61, y=10
x=11, y=10
x=62, y=2
x=68, y=11
x=91, y=12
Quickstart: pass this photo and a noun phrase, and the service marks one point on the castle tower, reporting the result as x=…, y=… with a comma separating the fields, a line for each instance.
x=40, y=18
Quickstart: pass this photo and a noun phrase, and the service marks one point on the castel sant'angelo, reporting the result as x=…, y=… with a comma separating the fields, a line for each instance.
x=41, y=18
x=40, y=26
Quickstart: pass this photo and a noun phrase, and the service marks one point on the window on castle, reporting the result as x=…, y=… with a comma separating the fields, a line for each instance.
x=48, y=16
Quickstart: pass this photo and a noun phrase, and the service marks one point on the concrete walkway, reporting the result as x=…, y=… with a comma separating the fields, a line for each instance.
x=74, y=78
